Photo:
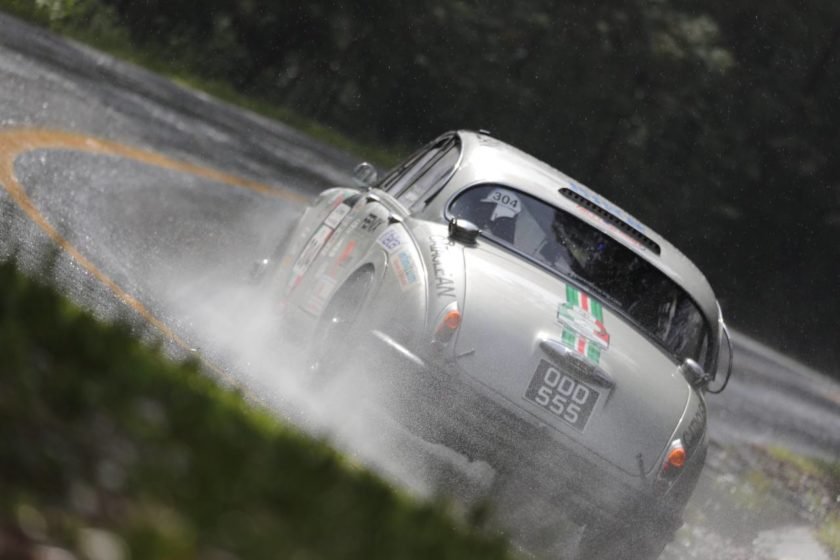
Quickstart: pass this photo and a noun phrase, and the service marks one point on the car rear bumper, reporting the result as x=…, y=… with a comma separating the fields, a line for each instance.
x=431, y=399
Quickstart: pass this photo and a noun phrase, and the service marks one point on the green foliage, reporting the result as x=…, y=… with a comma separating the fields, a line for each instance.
x=103, y=438
x=825, y=505
x=811, y=466
x=97, y=23
x=829, y=535
x=27, y=9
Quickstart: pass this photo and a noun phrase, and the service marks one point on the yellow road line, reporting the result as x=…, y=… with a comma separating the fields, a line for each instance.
x=14, y=142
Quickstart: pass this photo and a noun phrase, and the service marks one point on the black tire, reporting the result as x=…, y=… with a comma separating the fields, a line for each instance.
x=645, y=531
x=337, y=336
x=630, y=540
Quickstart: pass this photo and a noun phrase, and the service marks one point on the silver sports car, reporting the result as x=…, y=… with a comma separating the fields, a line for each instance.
x=525, y=321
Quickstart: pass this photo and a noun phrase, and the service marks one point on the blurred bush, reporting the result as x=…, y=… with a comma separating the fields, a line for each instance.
x=108, y=450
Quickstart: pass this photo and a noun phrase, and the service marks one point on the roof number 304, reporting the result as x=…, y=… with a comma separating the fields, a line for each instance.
x=505, y=199
x=507, y=204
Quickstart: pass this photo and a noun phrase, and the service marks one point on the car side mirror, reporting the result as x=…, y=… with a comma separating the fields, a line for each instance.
x=365, y=175
x=463, y=231
x=694, y=373
x=726, y=352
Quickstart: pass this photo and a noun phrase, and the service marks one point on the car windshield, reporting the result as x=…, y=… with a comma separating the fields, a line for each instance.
x=560, y=241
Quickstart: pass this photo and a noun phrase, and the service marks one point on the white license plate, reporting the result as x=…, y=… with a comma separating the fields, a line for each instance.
x=562, y=394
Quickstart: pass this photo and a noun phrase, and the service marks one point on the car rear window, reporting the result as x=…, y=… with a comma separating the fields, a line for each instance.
x=563, y=243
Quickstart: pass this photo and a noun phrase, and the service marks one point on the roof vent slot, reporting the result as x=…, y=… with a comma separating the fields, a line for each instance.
x=610, y=218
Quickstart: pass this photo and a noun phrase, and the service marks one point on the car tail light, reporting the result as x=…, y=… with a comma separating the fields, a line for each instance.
x=674, y=459
x=448, y=322
x=452, y=320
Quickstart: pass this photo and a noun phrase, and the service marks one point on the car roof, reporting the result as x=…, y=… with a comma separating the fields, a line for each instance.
x=488, y=160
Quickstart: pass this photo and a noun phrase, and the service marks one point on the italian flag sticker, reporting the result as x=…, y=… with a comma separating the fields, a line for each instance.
x=582, y=319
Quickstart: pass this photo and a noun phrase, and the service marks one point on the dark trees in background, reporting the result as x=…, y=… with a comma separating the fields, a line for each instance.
x=716, y=122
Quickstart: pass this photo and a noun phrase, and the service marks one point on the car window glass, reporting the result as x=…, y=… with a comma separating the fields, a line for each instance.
x=436, y=171
x=564, y=243
x=396, y=172
x=410, y=172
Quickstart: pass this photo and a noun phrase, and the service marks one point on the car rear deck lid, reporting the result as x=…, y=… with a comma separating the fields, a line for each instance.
x=565, y=357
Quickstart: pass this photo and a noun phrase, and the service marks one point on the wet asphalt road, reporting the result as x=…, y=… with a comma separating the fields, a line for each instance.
x=142, y=226
x=163, y=236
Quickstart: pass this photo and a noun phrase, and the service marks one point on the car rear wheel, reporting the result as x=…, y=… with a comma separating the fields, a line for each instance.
x=632, y=539
x=337, y=337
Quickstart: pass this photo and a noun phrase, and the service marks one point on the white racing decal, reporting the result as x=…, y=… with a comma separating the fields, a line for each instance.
x=320, y=294
x=507, y=204
x=405, y=269
x=337, y=215
x=308, y=255
x=316, y=242
x=339, y=260
x=371, y=223
x=392, y=239
x=598, y=200
x=336, y=198
x=619, y=233
x=439, y=250
x=313, y=247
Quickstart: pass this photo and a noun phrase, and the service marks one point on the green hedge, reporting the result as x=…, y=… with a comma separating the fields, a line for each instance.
x=103, y=440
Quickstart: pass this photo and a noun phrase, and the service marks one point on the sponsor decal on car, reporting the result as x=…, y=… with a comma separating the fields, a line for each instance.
x=405, y=269
x=582, y=319
x=308, y=255
x=507, y=204
x=696, y=428
x=312, y=249
x=355, y=224
x=606, y=205
x=444, y=284
x=346, y=253
x=338, y=214
x=336, y=199
x=613, y=229
x=392, y=239
x=320, y=294
x=339, y=260
x=371, y=223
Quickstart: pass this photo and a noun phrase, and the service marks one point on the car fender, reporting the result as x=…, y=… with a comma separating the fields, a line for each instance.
x=691, y=432
x=311, y=219
x=400, y=303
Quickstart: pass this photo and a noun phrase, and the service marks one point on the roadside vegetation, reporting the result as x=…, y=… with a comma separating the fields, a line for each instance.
x=110, y=450
x=97, y=23
x=815, y=484
x=811, y=485
x=755, y=497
